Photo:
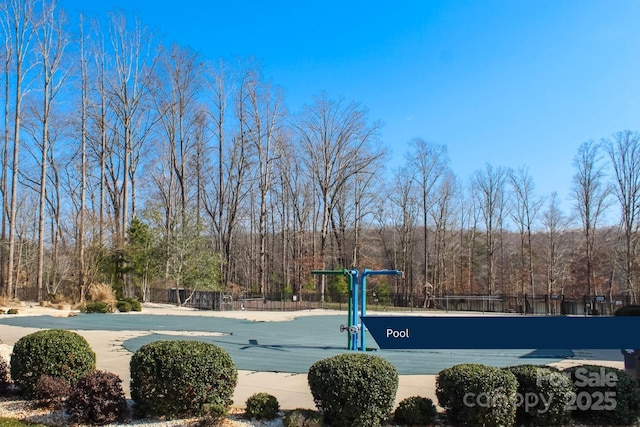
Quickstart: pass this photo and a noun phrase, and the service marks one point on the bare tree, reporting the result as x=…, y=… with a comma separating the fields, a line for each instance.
x=97, y=126
x=336, y=144
x=297, y=206
x=405, y=196
x=624, y=153
x=468, y=234
x=20, y=26
x=430, y=162
x=590, y=197
x=227, y=187
x=84, y=107
x=7, y=60
x=177, y=92
x=489, y=186
x=442, y=215
x=262, y=121
x=52, y=41
x=524, y=212
x=179, y=82
x=554, y=226
x=132, y=62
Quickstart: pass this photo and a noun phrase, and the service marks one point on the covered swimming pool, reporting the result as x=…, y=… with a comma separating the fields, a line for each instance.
x=288, y=346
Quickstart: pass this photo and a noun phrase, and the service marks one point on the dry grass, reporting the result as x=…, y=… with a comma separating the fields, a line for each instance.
x=102, y=292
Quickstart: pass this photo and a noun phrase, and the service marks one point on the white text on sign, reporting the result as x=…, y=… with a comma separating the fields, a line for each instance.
x=403, y=333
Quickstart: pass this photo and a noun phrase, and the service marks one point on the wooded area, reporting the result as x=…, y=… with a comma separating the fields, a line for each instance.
x=142, y=165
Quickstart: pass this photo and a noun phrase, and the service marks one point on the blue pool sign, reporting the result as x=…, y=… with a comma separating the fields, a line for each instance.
x=504, y=332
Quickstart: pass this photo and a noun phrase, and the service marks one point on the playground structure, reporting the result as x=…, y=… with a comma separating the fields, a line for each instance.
x=357, y=306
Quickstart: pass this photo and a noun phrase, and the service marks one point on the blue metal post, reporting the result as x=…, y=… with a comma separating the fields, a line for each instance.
x=363, y=309
x=354, y=312
x=353, y=284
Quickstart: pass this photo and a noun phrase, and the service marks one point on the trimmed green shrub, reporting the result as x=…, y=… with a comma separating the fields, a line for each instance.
x=604, y=395
x=123, y=306
x=135, y=304
x=5, y=377
x=181, y=378
x=262, y=406
x=543, y=395
x=51, y=392
x=97, y=398
x=353, y=389
x=53, y=352
x=415, y=411
x=12, y=311
x=214, y=415
x=478, y=395
x=302, y=418
x=97, y=307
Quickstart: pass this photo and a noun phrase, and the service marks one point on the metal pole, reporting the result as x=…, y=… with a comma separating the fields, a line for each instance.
x=363, y=310
x=353, y=308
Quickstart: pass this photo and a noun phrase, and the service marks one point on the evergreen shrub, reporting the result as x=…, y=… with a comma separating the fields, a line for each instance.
x=262, y=406
x=302, y=418
x=415, y=411
x=604, y=395
x=135, y=304
x=5, y=377
x=97, y=307
x=123, y=306
x=543, y=395
x=353, y=389
x=181, y=378
x=478, y=395
x=53, y=352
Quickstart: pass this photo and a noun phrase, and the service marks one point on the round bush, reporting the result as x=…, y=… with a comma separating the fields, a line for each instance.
x=5, y=377
x=98, y=307
x=353, y=389
x=604, y=395
x=51, y=392
x=53, y=352
x=135, y=304
x=415, y=411
x=181, y=378
x=474, y=394
x=97, y=398
x=262, y=406
x=123, y=306
x=543, y=395
x=302, y=418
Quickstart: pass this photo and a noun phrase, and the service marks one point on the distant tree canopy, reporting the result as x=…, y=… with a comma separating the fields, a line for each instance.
x=143, y=165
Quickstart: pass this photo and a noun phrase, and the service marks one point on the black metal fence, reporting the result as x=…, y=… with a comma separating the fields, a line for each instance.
x=523, y=304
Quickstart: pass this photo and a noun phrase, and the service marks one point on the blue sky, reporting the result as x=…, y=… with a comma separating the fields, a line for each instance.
x=511, y=83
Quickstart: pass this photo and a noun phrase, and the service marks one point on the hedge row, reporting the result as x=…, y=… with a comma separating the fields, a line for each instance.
x=528, y=395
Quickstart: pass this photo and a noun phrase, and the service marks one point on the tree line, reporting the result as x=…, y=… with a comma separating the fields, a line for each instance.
x=141, y=164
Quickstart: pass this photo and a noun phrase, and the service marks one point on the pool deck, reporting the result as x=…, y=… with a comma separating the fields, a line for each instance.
x=291, y=389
